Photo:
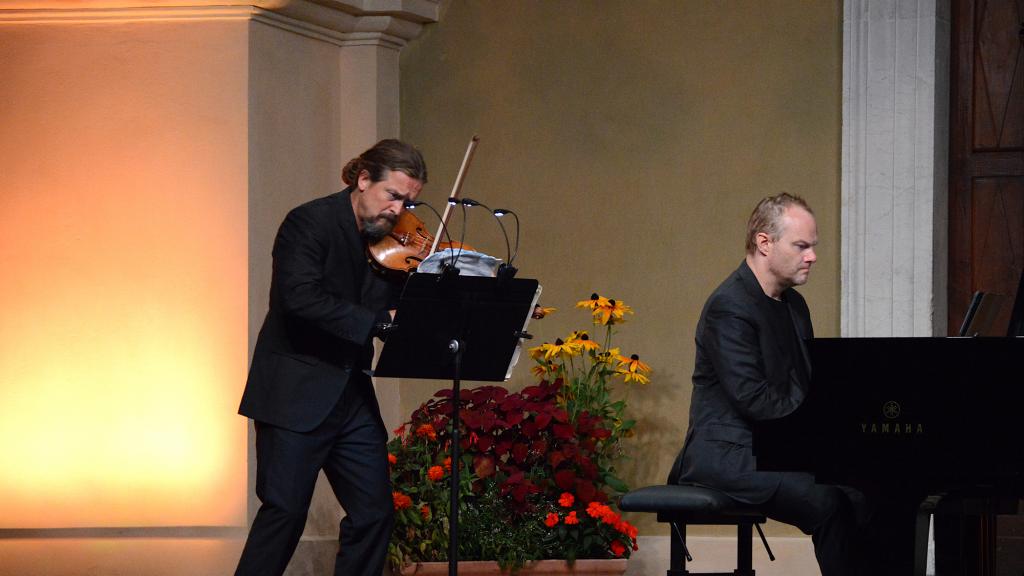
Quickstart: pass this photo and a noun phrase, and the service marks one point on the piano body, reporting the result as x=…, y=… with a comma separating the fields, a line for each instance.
x=919, y=417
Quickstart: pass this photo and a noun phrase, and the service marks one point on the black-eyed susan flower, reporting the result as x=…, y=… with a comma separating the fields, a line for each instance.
x=593, y=303
x=582, y=339
x=542, y=369
x=560, y=348
x=612, y=312
x=634, y=364
x=609, y=356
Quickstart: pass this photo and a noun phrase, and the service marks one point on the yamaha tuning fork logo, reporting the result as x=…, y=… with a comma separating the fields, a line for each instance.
x=891, y=424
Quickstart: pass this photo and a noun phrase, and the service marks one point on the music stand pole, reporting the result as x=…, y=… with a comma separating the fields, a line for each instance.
x=455, y=347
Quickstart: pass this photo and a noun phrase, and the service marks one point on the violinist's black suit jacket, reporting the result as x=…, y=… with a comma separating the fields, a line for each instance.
x=324, y=304
x=750, y=366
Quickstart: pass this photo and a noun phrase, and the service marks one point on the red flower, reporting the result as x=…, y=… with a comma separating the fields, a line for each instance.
x=426, y=430
x=617, y=548
x=566, y=500
x=598, y=510
x=425, y=512
x=435, y=473
x=627, y=529
x=571, y=518
x=401, y=500
x=551, y=520
x=392, y=459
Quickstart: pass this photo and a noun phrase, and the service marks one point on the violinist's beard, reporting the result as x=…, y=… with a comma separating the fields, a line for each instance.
x=376, y=228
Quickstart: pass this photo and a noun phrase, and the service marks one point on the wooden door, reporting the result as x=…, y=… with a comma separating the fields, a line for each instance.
x=986, y=228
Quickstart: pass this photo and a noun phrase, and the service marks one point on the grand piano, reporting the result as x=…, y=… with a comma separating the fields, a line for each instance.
x=926, y=424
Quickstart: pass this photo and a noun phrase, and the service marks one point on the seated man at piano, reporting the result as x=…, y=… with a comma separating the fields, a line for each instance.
x=751, y=366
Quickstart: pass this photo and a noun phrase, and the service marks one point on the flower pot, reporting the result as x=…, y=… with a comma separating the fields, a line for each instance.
x=604, y=567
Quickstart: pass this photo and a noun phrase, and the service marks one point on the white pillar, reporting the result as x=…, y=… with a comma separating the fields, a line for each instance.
x=894, y=167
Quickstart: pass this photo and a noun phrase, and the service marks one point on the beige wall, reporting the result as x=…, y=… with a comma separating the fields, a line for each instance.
x=633, y=139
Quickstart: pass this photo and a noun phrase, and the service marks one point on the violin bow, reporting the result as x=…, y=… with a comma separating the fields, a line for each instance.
x=455, y=192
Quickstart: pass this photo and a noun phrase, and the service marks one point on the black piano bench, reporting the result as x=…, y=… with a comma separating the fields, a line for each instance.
x=681, y=505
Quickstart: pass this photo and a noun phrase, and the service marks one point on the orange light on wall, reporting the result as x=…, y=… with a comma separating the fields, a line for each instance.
x=123, y=274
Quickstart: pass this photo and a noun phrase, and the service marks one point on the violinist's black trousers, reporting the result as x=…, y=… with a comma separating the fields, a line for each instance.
x=350, y=447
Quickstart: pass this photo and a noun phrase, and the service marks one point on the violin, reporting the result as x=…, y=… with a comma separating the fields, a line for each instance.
x=399, y=253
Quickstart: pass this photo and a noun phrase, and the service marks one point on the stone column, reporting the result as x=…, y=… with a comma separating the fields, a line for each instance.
x=170, y=138
x=894, y=168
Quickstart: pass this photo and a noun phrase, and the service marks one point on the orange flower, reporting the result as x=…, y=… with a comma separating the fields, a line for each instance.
x=551, y=520
x=425, y=512
x=572, y=519
x=566, y=500
x=617, y=548
x=401, y=501
x=435, y=473
x=627, y=529
x=426, y=430
x=598, y=510
x=392, y=459
x=448, y=464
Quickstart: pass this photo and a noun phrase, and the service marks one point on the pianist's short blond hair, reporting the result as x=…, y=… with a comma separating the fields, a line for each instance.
x=767, y=217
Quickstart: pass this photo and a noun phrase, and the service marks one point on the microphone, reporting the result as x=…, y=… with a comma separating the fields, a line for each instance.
x=505, y=270
x=412, y=205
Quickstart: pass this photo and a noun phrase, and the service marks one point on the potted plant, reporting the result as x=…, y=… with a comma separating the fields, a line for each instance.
x=538, y=477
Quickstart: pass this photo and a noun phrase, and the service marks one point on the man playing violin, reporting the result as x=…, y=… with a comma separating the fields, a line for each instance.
x=308, y=391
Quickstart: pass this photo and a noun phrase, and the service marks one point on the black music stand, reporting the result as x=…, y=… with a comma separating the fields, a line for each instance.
x=451, y=327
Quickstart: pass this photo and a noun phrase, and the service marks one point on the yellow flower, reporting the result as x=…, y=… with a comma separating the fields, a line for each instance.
x=609, y=356
x=537, y=352
x=582, y=339
x=632, y=376
x=543, y=369
x=543, y=311
x=610, y=313
x=634, y=364
x=560, y=348
x=593, y=303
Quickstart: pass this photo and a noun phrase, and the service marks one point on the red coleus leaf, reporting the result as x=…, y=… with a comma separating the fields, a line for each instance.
x=484, y=442
x=513, y=402
x=519, y=452
x=566, y=479
x=513, y=418
x=543, y=419
x=529, y=429
x=533, y=392
x=563, y=431
x=556, y=458
x=585, y=490
x=601, y=433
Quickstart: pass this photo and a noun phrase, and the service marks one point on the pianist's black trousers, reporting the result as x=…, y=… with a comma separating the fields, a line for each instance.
x=350, y=447
x=832, y=515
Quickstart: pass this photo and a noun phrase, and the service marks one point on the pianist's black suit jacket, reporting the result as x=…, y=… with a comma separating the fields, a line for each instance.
x=741, y=376
x=323, y=307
